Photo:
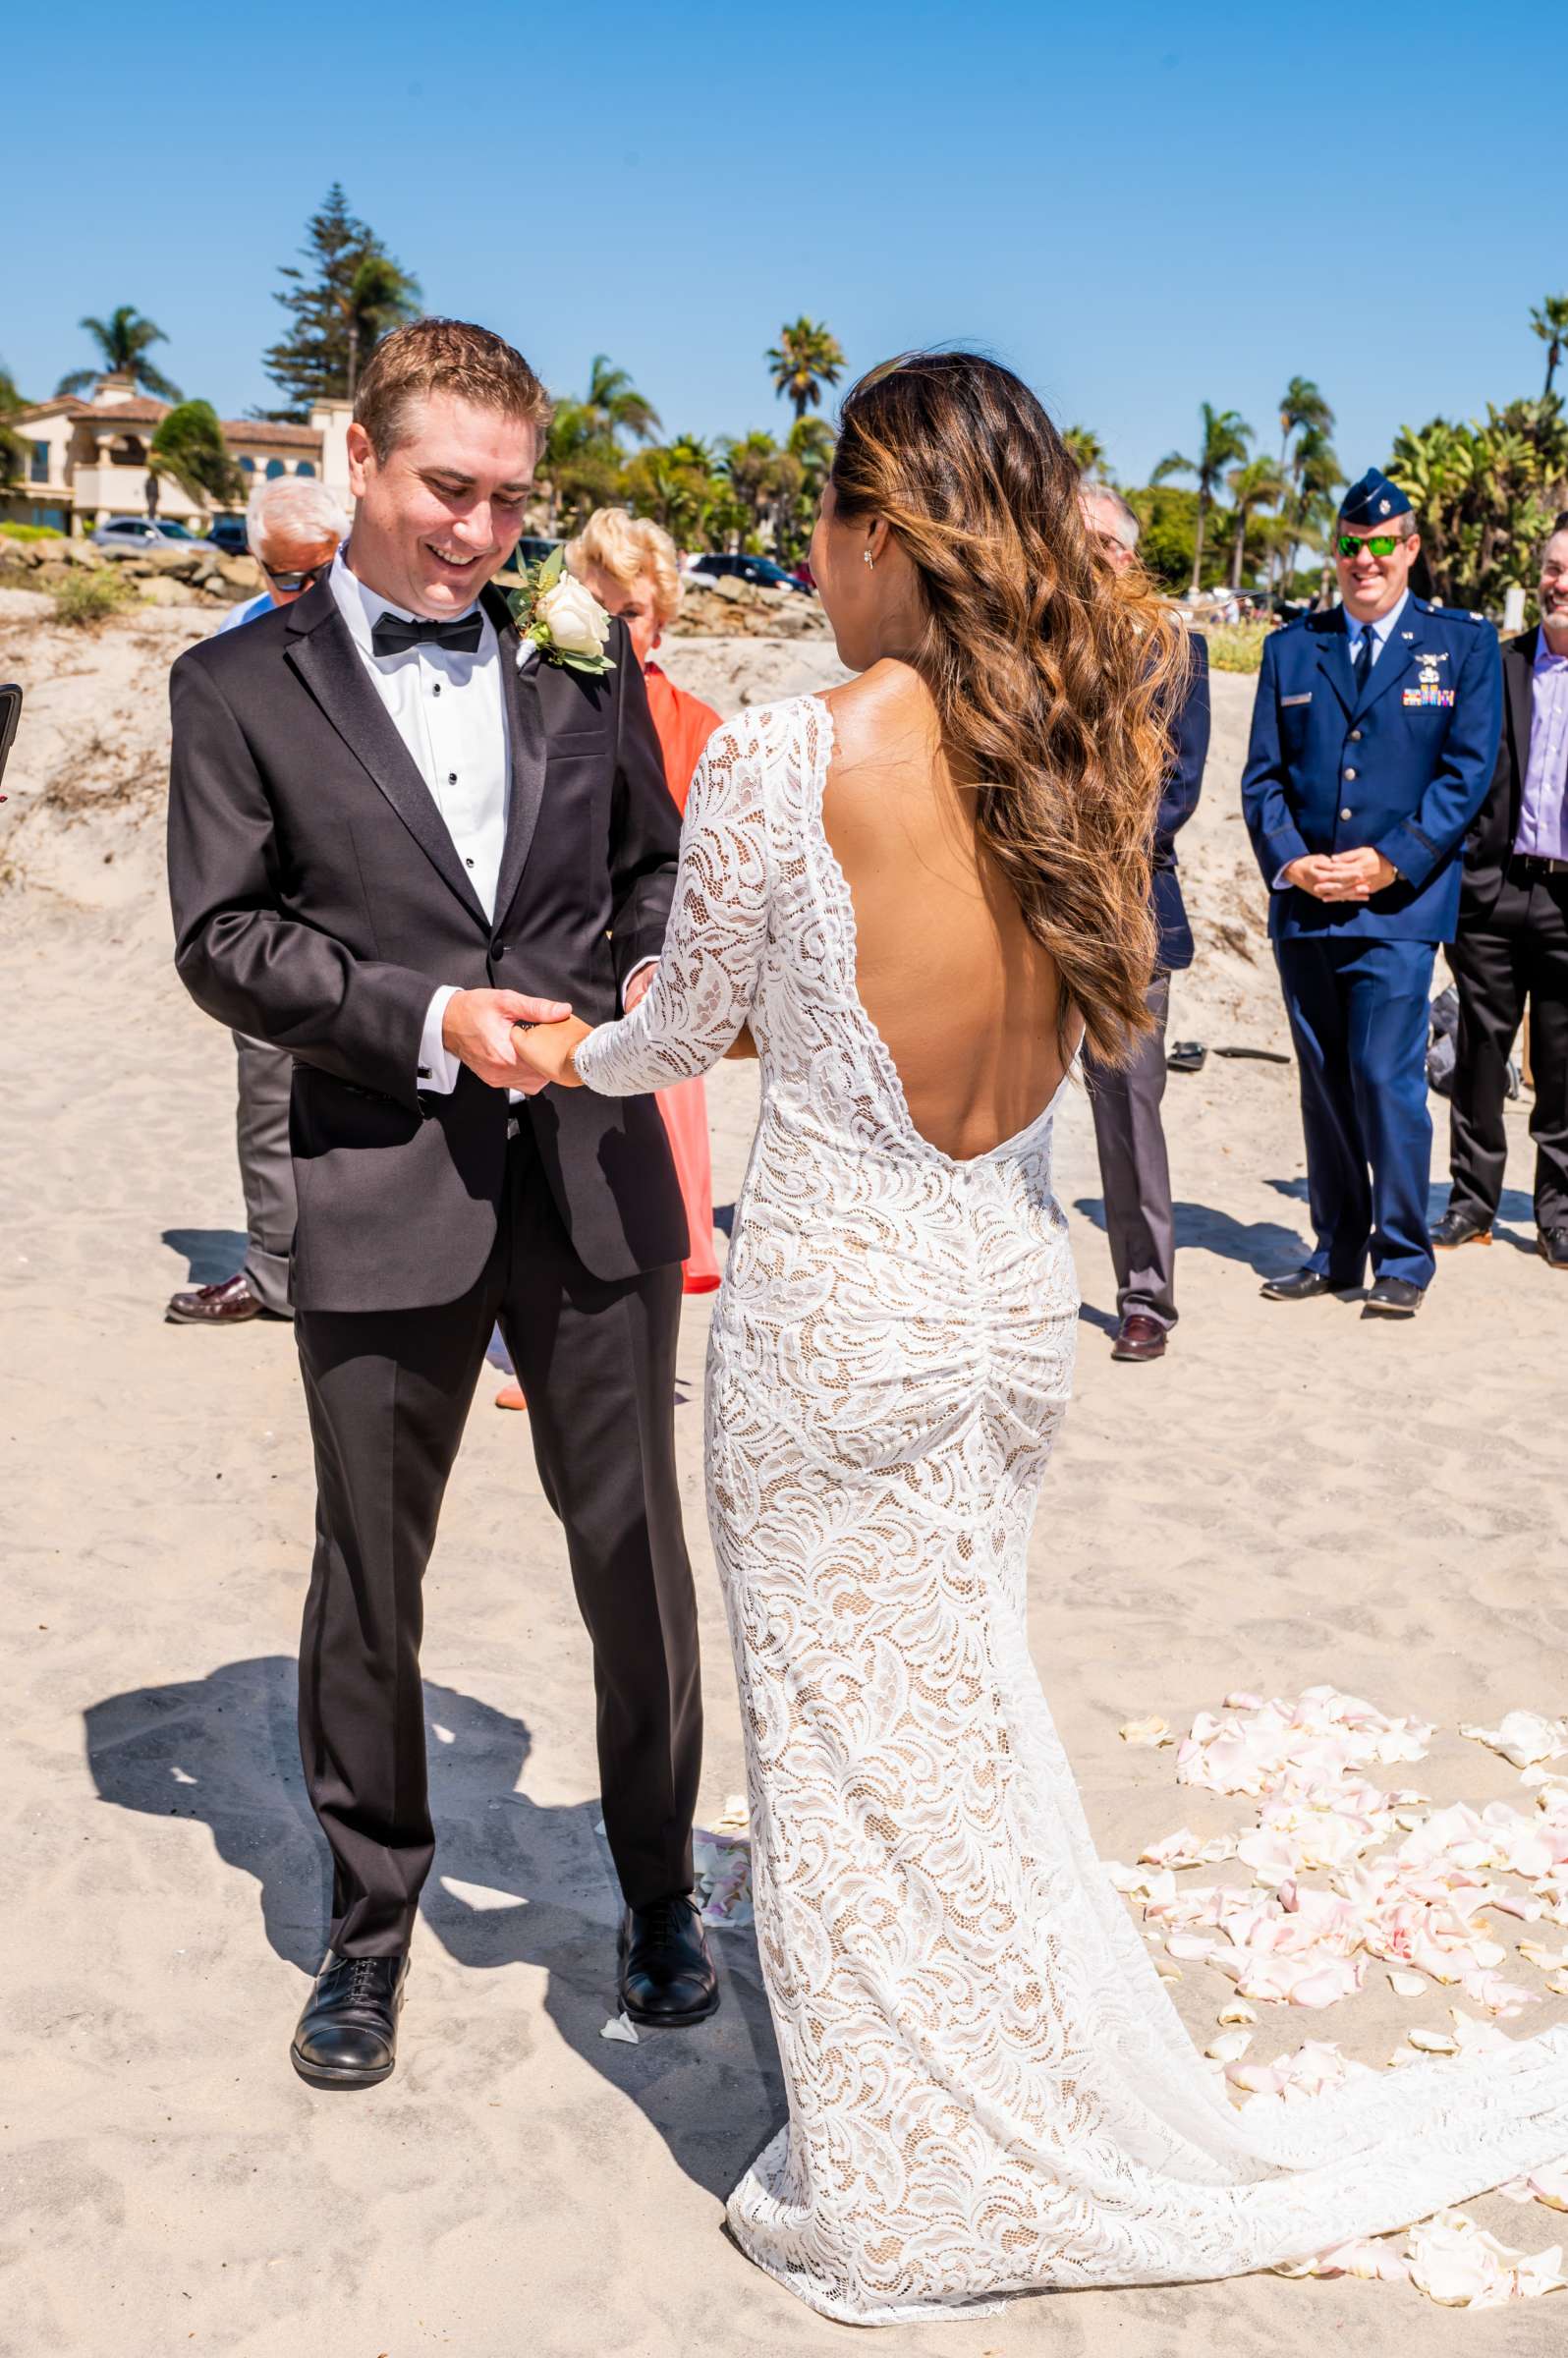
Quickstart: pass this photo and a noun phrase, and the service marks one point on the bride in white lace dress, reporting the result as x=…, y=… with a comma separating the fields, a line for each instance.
x=989, y=2090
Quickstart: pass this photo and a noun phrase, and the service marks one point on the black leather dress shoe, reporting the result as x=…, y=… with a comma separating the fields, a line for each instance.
x=227, y=1304
x=348, y=2034
x=1301, y=1285
x=1395, y=1297
x=1457, y=1229
x=1552, y=1246
x=666, y=1973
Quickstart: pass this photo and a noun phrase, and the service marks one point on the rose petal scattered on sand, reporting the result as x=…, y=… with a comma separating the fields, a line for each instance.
x=621, y=2027
x=1525, y=1738
x=1408, y=1984
x=1149, y=1732
x=1229, y=2047
x=1236, y=2011
x=1455, y=2263
x=1433, y=2042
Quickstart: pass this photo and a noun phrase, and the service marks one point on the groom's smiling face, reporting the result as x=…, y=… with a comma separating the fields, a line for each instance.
x=442, y=511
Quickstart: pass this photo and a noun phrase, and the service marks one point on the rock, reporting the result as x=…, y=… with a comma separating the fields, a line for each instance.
x=729, y=587
x=241, y=572
x=176, y=563
x=168, y=591
x=85, y=553
x=17, y=556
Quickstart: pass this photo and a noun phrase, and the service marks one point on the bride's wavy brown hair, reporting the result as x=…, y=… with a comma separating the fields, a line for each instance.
x=1051, y=674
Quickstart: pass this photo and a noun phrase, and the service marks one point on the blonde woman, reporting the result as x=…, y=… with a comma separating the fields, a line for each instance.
x=923, y=892
x=633, y=568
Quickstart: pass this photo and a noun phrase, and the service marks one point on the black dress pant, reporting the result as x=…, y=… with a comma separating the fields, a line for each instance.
x=1516, y=953
x=388, y=1395
x=1135, y=1170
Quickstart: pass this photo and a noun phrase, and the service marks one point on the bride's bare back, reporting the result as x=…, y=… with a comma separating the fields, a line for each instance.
x=964, y=996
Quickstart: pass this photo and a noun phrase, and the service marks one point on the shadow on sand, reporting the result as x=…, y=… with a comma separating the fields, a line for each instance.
x=514, y=1884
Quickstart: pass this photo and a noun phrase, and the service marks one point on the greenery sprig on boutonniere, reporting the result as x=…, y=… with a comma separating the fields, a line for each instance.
x=554, y=612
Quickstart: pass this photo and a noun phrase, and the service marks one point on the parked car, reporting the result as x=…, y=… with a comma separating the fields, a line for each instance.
x=531, y=551
x=761, y=572
x=228, y=532
x=131, y=535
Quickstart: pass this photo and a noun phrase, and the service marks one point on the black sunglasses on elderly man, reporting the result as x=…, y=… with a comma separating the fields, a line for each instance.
x=1376, y=544
x=296, y=581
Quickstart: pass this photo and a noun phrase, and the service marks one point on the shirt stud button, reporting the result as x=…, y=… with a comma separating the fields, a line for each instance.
x=467, y=864
x=451, y=777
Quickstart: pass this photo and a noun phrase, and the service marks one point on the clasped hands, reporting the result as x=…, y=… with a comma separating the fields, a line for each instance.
x=514, y=1042
x=1342, y=875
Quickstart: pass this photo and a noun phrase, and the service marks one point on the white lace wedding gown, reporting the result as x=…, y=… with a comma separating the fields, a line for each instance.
x=989, y=2090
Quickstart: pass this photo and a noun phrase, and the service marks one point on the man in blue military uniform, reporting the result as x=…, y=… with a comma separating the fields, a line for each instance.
x=1373, y=738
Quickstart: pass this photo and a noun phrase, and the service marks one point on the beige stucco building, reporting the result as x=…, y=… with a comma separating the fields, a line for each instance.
x=87, y=457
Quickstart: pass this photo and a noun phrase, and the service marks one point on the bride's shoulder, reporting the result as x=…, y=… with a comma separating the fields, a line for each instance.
x=759, y=730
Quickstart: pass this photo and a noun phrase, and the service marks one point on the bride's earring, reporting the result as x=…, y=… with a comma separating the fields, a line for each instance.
x=869, y=559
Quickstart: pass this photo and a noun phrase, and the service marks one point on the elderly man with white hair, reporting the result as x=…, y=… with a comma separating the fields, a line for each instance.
x=295, y=528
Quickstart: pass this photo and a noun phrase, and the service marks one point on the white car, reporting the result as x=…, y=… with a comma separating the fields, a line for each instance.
x=130, y=535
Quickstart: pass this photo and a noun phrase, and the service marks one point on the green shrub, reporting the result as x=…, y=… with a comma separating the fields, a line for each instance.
x=1237, y=646
x=88, y=598
x=30, y=531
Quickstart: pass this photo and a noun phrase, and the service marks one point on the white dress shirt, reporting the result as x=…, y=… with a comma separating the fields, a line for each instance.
x=449, y=711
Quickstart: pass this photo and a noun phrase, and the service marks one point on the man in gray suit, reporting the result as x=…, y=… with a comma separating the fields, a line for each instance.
x=294, y=527
x=1134, y=1168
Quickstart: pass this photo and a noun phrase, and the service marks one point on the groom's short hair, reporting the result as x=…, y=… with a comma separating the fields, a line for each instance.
x=443, y=355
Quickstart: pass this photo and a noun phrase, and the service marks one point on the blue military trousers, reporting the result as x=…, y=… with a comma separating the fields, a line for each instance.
x=1358, y=1010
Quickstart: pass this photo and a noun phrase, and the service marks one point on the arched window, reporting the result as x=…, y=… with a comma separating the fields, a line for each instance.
x=275, y=468
x=128, y=451
x=305, y=467
x=247, y=466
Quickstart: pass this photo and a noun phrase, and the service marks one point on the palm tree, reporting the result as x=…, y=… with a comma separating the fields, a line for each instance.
x=614, y=404
x=1302, y=409
x=1086, y=449
x=1226, y=436
x=1317, y=474
x=805, y=357
x=189, y=448
x=380, y=296
x=123, y=341
x=1551, y=325
x=13, y=447
x=1257, y=484
x=752, y=468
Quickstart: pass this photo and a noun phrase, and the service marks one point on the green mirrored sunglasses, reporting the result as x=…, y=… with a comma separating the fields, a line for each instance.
x=1380, y=544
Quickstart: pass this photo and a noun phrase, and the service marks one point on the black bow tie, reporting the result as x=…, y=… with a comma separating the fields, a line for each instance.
x=392, y=636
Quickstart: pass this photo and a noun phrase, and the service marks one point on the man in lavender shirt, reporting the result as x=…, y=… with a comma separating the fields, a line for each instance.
x=1512, y=946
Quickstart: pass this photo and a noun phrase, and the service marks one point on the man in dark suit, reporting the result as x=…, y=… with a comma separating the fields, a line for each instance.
x=391, y=821
x=1374, y=733
x=1511, y=949
x=1134, y=1165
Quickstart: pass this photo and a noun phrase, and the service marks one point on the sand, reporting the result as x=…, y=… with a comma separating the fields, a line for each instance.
x=1296, y=1495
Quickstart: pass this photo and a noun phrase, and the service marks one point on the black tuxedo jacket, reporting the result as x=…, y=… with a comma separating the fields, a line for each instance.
x=319, y=900
x=1491, y=834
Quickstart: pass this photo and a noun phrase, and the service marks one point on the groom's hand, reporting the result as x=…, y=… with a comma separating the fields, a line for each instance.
x=476, y=1027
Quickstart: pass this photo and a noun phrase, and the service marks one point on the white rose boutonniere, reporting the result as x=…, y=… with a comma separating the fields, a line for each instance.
x=555, y=613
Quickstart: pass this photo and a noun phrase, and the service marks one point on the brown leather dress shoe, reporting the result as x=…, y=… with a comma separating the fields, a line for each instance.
x=1139, y=1336
x=227, y=1304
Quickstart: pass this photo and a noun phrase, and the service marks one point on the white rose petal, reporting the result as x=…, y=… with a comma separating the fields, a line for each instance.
x=575, y=621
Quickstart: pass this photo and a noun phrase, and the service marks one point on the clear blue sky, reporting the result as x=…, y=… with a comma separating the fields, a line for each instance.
x=1139, y=207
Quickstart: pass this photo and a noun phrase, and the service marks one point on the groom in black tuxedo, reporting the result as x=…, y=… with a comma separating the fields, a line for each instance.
x=385, y=836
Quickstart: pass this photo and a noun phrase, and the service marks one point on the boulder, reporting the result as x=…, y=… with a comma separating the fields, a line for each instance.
x=242, y=574
x=85, y=553
x=172, y=561
x=167, y=589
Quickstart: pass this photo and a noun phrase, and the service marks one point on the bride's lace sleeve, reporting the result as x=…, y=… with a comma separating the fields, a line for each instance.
x=703, y=990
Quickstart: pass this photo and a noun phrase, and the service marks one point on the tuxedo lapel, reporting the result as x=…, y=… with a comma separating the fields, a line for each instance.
x=525, y=723
x=325, y=658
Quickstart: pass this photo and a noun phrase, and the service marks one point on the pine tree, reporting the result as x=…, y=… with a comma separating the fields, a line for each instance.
x=339, y=307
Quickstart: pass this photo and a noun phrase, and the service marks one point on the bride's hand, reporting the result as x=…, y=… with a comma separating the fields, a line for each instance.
x=546, y=1050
